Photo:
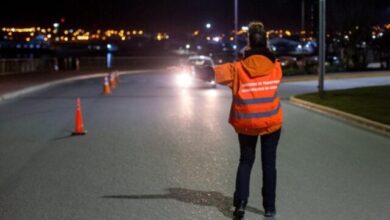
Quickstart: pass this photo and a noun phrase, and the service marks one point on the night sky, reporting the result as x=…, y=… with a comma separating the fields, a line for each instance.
x=184, y=15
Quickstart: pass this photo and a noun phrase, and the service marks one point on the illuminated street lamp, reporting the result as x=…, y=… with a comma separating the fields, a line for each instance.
x=208, y=26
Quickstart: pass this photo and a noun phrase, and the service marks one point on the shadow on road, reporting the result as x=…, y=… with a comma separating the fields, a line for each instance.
x=212, y=198
x=70, y=135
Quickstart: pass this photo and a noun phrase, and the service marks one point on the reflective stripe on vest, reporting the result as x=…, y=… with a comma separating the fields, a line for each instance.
x=239, y=115
x=239, y=101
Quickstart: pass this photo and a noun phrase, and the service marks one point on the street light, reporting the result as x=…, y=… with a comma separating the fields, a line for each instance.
x=303, y=15
x=322, y=45
x=208, y=25
x=235, y=28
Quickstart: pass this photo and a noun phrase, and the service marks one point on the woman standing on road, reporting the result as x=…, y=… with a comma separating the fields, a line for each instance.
x=255, y=111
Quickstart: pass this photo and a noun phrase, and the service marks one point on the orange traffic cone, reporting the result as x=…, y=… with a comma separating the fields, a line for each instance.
x=117, y=78
x=106, y=87
x=79, y=129
x=112, y=80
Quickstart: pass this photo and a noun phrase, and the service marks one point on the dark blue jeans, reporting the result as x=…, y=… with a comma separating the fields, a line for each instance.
x=248, y=143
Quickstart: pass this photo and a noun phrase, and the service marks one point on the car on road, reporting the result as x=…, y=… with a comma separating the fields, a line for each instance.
x=197, y=68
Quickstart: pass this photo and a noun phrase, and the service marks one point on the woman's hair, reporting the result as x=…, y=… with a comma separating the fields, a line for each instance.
x=257, y=35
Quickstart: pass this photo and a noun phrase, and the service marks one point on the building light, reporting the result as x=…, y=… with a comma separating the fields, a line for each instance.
x=82, y=37
x=123, y=38
x=159, y=37
x=216, y=39
x=28, y=39
x=141, y=32
x=56, y=25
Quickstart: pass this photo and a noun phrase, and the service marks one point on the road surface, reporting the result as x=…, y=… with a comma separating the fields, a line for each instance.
x=157, y=151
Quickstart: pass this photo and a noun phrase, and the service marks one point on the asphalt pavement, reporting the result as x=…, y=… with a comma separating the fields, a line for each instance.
x=158, y=151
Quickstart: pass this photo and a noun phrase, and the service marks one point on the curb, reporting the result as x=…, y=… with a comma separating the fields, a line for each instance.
x=336, y=76
x=31, y=89
x=357, y=120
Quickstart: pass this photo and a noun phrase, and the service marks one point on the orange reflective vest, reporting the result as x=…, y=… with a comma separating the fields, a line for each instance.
x=256, y=108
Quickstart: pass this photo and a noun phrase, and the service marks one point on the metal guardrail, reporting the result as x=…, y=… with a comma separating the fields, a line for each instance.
x=15, y=66
x=91, y=63
x=11, y=66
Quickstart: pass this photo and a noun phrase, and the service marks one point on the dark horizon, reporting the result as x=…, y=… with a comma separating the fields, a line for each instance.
x=186, y=15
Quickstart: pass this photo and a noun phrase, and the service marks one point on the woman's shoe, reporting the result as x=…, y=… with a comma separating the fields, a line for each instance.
x=239, y=212
x=270, y=213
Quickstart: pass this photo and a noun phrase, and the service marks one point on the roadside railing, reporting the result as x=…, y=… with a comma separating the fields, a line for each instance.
x=12, y=66
x=92, y=63
x=16, y=66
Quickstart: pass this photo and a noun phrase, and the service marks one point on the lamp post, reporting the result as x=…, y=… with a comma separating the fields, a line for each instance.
x=235, y=28
x=322, y=45
x=303, y=15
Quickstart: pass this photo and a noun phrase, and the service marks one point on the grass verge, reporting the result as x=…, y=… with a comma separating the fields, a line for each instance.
x=370, y=102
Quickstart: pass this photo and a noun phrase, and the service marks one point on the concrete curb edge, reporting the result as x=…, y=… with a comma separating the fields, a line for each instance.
x=31, y=89
x=357, y=120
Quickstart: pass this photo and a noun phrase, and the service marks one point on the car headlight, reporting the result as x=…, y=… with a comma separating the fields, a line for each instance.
x=184, y=79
